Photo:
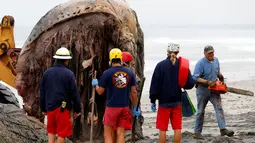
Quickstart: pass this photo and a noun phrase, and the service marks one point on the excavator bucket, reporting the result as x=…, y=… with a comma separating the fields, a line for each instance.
x=8, y=52
x=6, y=75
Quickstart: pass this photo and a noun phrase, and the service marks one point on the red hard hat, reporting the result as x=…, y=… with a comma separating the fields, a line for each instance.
x=126, y=57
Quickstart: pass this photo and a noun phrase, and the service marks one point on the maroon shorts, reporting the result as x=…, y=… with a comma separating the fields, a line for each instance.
x=59, y=123
x=175, y=116
x=118, y=117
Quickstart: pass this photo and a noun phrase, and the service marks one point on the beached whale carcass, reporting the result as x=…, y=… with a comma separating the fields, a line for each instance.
x=87, y=28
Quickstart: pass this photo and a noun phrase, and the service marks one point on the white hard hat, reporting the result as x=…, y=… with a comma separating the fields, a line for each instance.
x=62, y=53
x=173, y=47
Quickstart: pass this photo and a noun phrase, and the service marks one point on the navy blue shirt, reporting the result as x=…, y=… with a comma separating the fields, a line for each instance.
x=164, y=84
x=57, y=85
x=117, y=81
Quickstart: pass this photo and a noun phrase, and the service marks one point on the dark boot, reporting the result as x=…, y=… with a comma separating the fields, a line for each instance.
x=198, y=136
x=226, y=132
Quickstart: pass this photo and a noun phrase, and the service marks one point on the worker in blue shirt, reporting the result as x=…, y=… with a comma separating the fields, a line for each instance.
x=57, y=91
x=206, y=73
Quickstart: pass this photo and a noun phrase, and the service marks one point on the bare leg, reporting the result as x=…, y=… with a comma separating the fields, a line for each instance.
x=51, y=138
x=61, y=140
x=177, y=136
x=162, y=136
x=114, y=136
x=120, y=135
x=108, y=134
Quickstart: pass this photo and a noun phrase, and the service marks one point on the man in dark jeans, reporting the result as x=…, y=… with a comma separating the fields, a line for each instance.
x=206, y=73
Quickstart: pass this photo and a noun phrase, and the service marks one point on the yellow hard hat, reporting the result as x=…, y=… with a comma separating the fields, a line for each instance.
x=62, y=53
x=115, y=53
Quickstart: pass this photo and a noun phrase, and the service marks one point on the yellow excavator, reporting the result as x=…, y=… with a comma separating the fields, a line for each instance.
x=8, y=52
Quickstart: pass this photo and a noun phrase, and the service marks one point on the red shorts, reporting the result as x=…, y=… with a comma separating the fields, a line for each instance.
x=118, y=117
x=59, y=123
x=174, y=114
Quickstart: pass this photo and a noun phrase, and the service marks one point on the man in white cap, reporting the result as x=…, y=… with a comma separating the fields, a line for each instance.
x=57, y=91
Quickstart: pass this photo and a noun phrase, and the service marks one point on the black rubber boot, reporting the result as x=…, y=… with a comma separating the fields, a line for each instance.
x=226, y=132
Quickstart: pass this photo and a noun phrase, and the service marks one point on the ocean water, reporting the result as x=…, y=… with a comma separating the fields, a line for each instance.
x=234, y=46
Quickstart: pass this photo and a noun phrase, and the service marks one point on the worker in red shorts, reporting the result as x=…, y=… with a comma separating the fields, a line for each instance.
x=118, y=81
x=165, y=87
x=126, y=62
x=57, y=91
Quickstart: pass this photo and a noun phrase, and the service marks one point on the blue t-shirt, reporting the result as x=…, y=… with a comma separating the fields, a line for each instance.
x=117, y=81
x=208, y=71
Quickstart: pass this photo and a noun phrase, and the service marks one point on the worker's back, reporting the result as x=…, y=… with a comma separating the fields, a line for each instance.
x=58, y=85
x=165, y=82
x=117, y=81
x=169, y=89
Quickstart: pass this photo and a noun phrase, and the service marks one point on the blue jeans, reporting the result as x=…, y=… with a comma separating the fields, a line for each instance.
x=203, y=96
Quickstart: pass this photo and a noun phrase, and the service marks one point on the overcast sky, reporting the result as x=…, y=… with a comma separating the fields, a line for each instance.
x=174, y=12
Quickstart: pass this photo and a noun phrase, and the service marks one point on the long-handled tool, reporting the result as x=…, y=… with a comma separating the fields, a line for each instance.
x=92, y=114
x=86, y=63
x=138, y=104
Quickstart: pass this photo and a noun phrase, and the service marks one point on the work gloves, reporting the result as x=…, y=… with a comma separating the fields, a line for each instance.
x=221, y=78
x=94, y=82
x=136, y=113
x=153, y=107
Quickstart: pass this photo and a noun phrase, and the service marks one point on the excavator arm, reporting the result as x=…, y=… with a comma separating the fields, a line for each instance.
x=8, y=52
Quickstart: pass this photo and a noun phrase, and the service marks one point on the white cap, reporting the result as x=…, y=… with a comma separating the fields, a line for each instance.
x=173, y=47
